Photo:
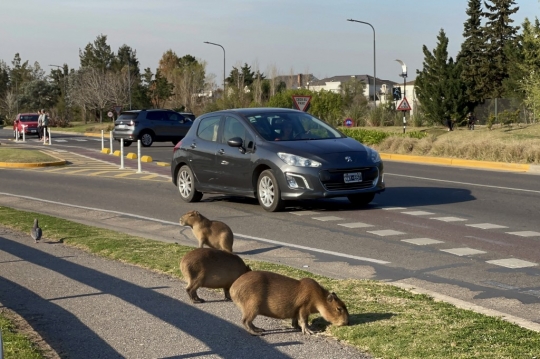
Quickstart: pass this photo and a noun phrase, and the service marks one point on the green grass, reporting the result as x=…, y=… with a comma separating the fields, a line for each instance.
x=20, y=155
x=386, y=321
x=16, y=344
x=80, y=127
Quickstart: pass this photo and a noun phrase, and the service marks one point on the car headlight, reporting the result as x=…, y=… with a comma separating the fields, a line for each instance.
x=374, y=155
x=298, y=161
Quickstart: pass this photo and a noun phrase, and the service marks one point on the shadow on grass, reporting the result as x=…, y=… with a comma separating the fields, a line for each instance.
x=354, y=319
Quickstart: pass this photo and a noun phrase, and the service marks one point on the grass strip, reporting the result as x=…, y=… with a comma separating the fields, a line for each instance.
x=386, y=321
x=20, y=155
x=16, y=344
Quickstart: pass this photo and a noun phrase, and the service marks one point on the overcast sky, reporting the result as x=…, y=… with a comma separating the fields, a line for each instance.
x=305, y=36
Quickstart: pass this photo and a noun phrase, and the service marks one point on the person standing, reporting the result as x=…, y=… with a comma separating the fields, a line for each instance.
x=471, y=120
x=40, y=125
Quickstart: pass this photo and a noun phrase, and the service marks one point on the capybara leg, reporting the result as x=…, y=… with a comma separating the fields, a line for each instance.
x=191, y=290
x=247, y=320
x=295, y=324
x=303, y=319
x=227, y=294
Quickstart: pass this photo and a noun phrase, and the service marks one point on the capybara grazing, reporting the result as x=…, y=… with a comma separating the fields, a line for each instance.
x=214, y=234
x=211, y=268
x=277, y=296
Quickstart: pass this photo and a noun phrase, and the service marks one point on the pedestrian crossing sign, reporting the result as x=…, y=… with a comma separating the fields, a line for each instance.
x=404, y=105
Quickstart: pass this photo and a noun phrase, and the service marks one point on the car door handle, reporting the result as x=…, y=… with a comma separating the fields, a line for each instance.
x=222, y=151
x=224, y=162
x=193, y=145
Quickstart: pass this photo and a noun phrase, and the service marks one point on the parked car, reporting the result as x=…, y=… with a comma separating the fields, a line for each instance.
x=151, y=126
x=245, y=152
x=27, y=122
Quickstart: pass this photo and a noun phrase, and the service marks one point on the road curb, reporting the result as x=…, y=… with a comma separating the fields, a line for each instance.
x=37, y=164
x=517, y=167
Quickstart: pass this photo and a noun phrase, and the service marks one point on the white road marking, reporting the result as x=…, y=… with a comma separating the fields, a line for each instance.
x=486, y=226
x=449, y=219
x=418, y=213
x=393, y=208
x=463, y=251
x=525, y=233
x=305, y=213
x=284, y=244
x=386, y=232
x=422, y=241
x=355, y=225
x=80, y=140
x=512, y=263
x=465, y=183
x=60, y=141
x=328, y=218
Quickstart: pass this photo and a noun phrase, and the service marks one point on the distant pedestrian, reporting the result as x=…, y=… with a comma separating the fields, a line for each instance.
x=40, y=125
x=45, y=124
x=449, y=123
x=471, y=120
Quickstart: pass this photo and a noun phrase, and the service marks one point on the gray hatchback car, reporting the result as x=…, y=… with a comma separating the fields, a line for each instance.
x=155, y=125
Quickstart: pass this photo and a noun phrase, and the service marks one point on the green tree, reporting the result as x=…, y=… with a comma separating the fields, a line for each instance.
x=438, y=86
x=498, y=32
x=98, y=55
x=473, y=55
x=38, y=94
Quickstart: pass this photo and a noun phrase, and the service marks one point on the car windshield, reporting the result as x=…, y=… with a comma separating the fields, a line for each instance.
x=29, y=118
x=291, y=126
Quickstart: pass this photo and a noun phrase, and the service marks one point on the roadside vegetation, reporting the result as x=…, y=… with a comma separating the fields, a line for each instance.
x=20, y=155
x=386, y=321
x=17, y=343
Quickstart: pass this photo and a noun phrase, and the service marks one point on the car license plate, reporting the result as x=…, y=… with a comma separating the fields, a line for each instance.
x=121, y=126
x=32, y=130
x=352, y=177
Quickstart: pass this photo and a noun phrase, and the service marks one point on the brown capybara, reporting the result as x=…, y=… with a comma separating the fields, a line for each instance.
x=277, y=296
x=214, y=234
x=211, y=268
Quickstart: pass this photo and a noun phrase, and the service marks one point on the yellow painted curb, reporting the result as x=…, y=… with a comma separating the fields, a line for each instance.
x=37, y=164
x=116, y=153
x=457, y=162
x=146, y=159
x=93, y=134
x=106, y=151
x=163, y=164
x=131, y=156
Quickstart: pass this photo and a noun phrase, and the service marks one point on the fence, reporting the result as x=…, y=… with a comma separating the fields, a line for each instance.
x=501, y=108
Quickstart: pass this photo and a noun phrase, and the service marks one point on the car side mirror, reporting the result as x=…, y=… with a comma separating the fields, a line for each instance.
x=182, y=121
x=237, y=142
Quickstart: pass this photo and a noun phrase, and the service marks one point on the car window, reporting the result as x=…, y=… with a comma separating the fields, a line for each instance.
x=128, y=116
x=29, y=118
x=156, y=115
x=208, y=128
x=233, y=128
x=173, y=116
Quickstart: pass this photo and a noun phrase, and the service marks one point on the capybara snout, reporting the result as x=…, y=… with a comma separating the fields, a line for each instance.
x=277, y=296
x=214, y=234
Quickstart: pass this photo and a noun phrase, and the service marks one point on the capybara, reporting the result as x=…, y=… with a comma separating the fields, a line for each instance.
x=277, y=296
x=214, y=234
x=211, y=268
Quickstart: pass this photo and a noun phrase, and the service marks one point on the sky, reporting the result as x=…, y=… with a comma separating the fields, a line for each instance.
x=294, y=36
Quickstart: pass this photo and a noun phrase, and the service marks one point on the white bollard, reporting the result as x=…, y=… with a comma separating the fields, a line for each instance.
x=102, y=140
x=44, y=136
x=23, y=133
x=139, y=170
x=50, y=141
x=17, y=134
x=121, y=153
x=111, y=139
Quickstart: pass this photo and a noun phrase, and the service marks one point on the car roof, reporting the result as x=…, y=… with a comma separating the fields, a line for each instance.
x=28, y=113
x=259, y=110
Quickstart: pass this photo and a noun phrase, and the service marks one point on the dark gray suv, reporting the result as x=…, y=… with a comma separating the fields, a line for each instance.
x=151, y=126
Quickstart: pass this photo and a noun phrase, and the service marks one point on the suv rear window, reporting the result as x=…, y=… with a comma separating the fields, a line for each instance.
x=128, y=116
x=29, y=118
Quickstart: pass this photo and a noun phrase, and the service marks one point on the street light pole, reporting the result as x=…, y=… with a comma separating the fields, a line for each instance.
x=374, y=61
x=211, y=43
x=404, y=75
x=65, y=90
x=129, y=78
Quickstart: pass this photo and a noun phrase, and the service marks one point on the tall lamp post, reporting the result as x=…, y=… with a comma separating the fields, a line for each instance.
x=404, y=75
x=374, y=61
x=65, y=89
x=211, y=43
x=129, y=78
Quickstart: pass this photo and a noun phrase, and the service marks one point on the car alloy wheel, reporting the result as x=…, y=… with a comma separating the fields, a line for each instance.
x=186, y=185
x=268, y=192
x=147, y=139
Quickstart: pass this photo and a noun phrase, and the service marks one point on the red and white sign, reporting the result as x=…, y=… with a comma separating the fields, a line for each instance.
x=117, y=109
x=404, y=105
x=301, y=102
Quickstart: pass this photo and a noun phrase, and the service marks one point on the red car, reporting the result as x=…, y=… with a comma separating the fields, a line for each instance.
x=28, y=121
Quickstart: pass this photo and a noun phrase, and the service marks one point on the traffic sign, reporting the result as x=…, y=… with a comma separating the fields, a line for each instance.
x=118, y=109
x=348, y=122
x=404, y=105
x=301, y=102
x=110, y=114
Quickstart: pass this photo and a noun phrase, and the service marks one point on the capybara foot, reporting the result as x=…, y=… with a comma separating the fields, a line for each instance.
x=197, y=300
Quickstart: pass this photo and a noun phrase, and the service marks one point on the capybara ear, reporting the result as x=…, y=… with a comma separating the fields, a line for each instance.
x=331, y=297
x=197, y=213
x=249, y=268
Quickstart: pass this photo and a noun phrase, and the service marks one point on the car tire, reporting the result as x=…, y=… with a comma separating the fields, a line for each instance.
x=362, y=199
x=268, y=192
x=146, y=139
x=186, y=185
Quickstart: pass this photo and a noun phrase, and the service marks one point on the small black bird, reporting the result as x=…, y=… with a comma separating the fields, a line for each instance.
x=36, y=231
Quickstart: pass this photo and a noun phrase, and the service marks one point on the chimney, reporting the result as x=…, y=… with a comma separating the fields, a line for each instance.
x=300, y=82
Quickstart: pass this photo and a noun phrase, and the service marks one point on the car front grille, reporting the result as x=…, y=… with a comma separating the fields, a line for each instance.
x=332, y=180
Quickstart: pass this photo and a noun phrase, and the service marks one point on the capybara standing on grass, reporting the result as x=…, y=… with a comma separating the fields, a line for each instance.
x=211, y=268
x=277, y=296
x=214, y=234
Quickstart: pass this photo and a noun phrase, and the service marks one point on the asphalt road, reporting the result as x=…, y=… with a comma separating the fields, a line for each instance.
x=464, y=233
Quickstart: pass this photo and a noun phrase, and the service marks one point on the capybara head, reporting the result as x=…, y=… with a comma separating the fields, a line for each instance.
x=189, y=218
x=334, y=310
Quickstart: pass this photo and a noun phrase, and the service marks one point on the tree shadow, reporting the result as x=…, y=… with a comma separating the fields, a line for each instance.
x=320, y=323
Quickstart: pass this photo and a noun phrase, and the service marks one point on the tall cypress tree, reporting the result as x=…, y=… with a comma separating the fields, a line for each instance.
x=473, y=57
x=498, y=32
x=438, y=86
